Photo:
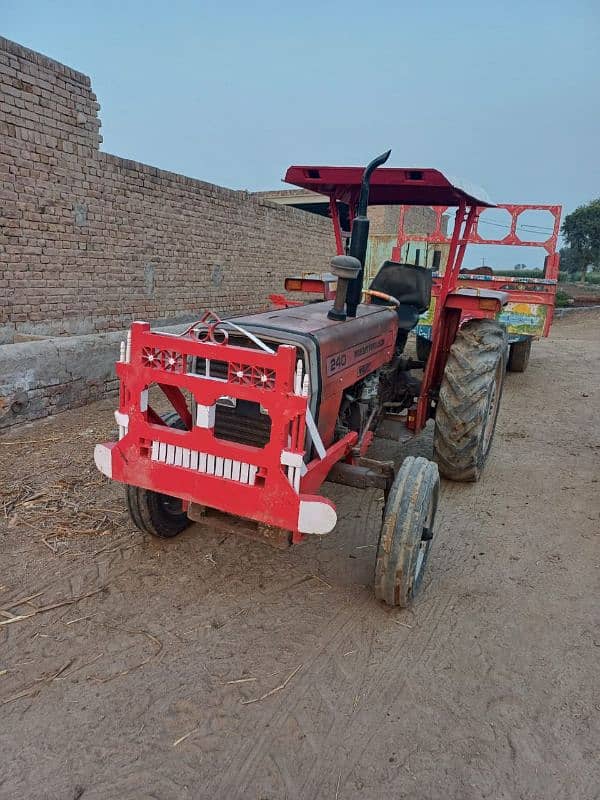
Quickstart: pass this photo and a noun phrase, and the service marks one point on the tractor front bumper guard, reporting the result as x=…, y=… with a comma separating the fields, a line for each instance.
x=269, y=484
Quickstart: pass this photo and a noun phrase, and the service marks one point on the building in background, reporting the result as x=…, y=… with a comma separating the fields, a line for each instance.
x=383, y=231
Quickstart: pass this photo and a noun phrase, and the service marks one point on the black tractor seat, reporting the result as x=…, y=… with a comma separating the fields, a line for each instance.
x=410, y=285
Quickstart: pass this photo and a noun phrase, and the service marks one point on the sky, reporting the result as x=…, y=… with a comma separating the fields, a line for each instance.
x=504, y=94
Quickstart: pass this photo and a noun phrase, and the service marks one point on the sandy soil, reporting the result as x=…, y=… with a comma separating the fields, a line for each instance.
x=488, y=688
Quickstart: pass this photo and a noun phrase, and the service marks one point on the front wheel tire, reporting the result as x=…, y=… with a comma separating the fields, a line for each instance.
x=407, y=532
x=152, y=512
x=155, y=513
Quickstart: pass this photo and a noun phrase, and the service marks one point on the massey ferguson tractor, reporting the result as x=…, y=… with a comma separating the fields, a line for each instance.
x=268, y=406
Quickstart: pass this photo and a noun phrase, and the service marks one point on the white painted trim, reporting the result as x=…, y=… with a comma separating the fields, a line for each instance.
x=170, y=454
x=290, y=459
x=314, y=434
x=128, y=348
x=103, y=459
x=205, y=416
x=144, y=400
x=122, y=419
x=316, y=517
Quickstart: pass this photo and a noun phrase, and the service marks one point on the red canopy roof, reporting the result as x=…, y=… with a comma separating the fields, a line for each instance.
x=389, y=186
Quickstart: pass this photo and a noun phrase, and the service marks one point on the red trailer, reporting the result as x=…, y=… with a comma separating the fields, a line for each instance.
x=529, y=309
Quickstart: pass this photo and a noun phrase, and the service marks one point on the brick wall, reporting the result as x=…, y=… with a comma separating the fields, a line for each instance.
x=418, y=220
x=90, y=241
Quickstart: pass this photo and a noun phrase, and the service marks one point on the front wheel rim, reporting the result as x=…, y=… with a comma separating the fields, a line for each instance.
x=425, y=543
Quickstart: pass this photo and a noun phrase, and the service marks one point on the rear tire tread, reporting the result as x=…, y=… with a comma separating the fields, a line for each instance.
x=462, y=405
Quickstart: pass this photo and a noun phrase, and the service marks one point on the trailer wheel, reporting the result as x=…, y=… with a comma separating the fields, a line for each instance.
x=469, y=399
x=518, y=357
x=423, y=348
x=407, y=532
x=153, y=512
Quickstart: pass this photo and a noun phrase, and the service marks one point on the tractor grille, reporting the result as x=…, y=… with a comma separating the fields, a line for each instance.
x=243, y=424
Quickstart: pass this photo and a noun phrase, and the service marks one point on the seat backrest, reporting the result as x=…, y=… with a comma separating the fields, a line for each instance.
x=409, y=284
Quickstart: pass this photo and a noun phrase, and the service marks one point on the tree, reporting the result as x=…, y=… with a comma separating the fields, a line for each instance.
x=581, y=229
x=570, y=260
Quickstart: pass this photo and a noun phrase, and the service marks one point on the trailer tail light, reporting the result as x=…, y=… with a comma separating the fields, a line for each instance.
x=488, y=304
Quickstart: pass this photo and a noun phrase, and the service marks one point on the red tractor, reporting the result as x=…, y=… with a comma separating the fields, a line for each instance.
x=268, y=406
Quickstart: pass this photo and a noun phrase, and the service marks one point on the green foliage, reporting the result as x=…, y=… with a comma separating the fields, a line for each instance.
x=562, y=299
x=581, y=229
x=519, y=273
x=571, y=260
x=592, y=278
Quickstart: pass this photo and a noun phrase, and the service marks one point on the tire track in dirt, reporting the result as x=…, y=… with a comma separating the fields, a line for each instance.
x=379, y=688
x=369, y=686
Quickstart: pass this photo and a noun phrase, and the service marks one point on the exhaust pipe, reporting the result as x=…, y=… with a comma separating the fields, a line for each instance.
x=360, y=234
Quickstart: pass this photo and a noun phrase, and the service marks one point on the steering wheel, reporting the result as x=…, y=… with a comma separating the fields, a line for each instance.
x=382, y=296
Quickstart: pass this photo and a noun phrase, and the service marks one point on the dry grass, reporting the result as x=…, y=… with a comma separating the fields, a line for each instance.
x=50, y=484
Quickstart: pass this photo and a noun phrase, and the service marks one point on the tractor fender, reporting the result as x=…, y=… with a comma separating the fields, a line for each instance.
x=477, y=303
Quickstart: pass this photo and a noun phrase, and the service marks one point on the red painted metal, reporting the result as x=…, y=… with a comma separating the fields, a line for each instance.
x=439, y=236
x=465, y=232
x=252, y=375
x=389, y=186
x=281, y=301
x=337, y=228
x=445, y=322
x=318, y=469
x=323, y=286
x=515, y=239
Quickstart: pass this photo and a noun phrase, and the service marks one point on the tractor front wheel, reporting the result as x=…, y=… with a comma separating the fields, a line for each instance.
x=469, y=399
x=518, y=357
x=407, y=532
x=156, y=513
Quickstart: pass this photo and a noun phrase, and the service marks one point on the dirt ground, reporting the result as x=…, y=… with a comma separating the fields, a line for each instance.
x=214, y=667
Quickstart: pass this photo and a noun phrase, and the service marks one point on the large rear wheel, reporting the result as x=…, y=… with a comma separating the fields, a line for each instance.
x=155, y=513
x=407, y=532
x=469, y=400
